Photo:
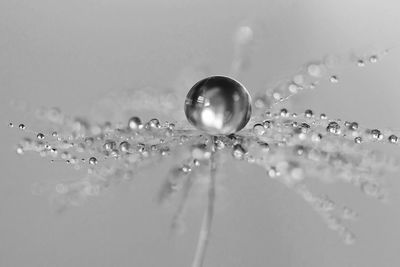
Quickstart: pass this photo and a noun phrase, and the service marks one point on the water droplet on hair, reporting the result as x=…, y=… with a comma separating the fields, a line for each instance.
x=20, y=150
x=258, y=129
x=361, y=63
x=373, y=59
x=334, y=79
x=124, y=146
x=92, y=161
x=135, y=123
x=40, y=136
x=393, y=139
x=238, y=152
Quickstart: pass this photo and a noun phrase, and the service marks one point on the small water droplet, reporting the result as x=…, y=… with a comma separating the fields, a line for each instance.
x=92, y=161
x=109, y=145
x=333, y=127
x=376, y=134
x=22, y=126
x=11, y=125
x=373, y=59
x=124, y=146
x=358, y=140
x=360, y=63
x=238, y=151
x=258, y=129
x=393, y=139
x=154, y=123
x=284, y=112
x=20, y=150
x=308, y=113
x=353, y=126
x=135, y=123
x=334, y=79
x=40, y=136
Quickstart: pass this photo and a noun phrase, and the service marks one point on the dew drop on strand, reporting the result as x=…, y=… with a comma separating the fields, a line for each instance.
x=40, y=136
x=258, y=129
x=334, y=79
x=135, y=123
x=92, y=161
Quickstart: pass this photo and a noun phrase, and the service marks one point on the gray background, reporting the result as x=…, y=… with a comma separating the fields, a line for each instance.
x=71, y=53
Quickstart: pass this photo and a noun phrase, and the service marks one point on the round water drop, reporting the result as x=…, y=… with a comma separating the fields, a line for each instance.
x=373, y=59
x=353, y=126
x=218, y=105
x=268, y=124
x=376, y=134
x=54, y=134
x=334, y=79
x=20, y=150
x=135, y=123
x=40, y=136
x=238, y=152
x=358, y=140
x=308, y=113
x=284, y=112
x=92, y=161
x=258, y=129
x=272, y=172
x=154, y=123
x=22, y=126
x=11, y=125
x=333, y=127
x=124, y=146
x=393, y=139
x=109, y=145
x=360, y=63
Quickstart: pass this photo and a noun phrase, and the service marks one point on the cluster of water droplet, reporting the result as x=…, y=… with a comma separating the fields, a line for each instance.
x=309, y=76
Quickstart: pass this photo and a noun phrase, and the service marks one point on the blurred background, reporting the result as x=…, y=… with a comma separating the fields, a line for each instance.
x=72, y=54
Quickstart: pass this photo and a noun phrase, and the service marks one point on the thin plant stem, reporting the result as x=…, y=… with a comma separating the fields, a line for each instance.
x=205, y=230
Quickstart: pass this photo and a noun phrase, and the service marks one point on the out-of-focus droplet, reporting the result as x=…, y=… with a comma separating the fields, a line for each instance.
x=373, y=59
x=20, y=150
x=314, y=70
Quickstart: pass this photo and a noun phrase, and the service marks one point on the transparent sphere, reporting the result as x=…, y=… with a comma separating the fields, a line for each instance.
x=218, y=105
